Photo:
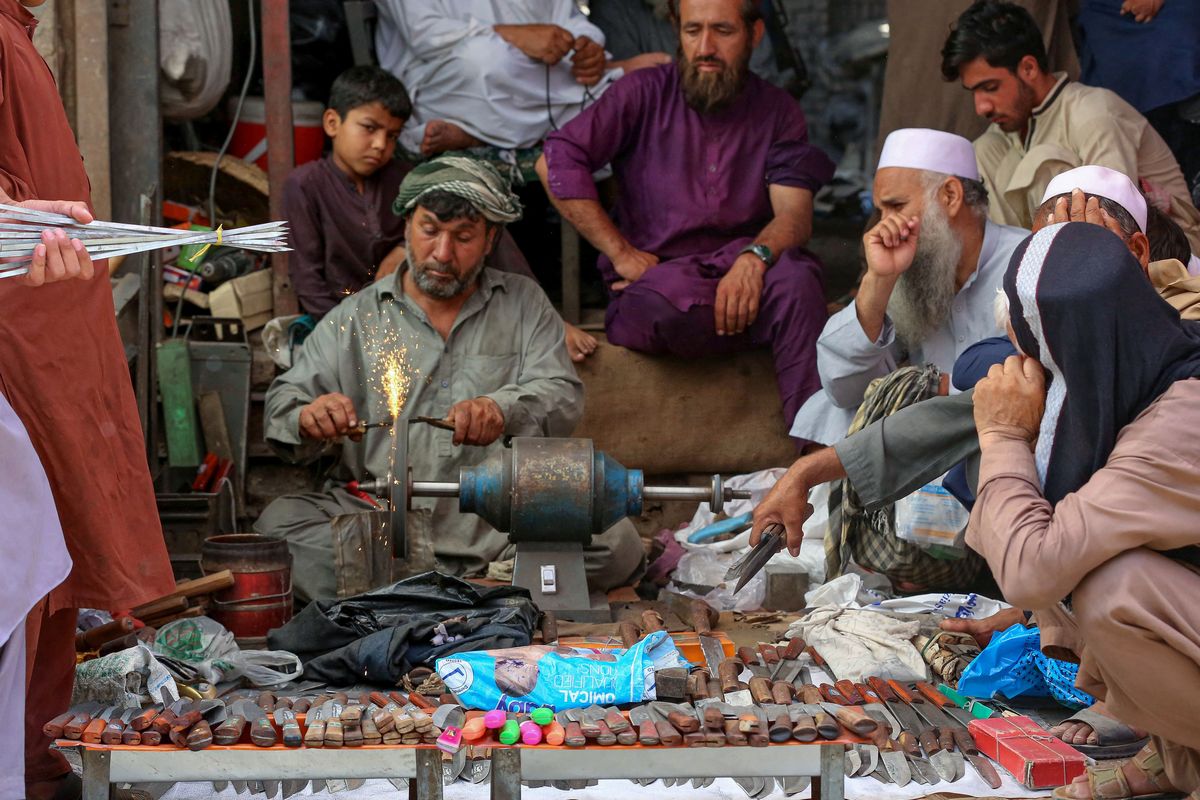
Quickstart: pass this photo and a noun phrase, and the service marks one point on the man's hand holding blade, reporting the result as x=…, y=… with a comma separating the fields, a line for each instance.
x=329, y=417
x=476, y=422
x=739, y=294
x=588, y=62
x=786, y=504
x=1010, y=401
x=631, y=264
x=57, y=257
x=548, y=44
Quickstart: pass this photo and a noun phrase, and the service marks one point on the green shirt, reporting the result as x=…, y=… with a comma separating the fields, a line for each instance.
x=506, y=344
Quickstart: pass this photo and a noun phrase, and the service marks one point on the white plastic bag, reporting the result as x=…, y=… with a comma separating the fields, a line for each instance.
x=264, y=667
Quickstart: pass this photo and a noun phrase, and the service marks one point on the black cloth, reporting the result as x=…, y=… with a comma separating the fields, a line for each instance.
x=1080, y=303
x=379, y=636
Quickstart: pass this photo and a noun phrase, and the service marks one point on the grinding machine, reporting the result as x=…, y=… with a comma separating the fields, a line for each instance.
x=551, y=496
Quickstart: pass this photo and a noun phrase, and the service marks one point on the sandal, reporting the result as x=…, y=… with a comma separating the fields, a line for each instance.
x=1110, y=783
x=1114, y=739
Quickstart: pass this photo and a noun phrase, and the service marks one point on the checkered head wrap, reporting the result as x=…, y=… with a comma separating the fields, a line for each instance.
x=477, y=182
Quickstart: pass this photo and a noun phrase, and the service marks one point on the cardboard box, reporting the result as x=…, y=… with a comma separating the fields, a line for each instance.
x=248, y=298
x=1028, y=751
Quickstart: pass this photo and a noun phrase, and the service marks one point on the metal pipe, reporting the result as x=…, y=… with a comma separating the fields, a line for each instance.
x=434, y=489
x=691, y=493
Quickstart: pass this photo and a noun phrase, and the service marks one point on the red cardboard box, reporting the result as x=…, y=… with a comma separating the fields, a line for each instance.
x=1027, y=751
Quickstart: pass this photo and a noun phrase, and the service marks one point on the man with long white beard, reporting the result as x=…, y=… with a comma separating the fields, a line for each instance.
x=934, y=263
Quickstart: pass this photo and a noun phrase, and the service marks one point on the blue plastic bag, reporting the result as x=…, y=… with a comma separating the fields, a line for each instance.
x=1012, y=664
x=521, y=679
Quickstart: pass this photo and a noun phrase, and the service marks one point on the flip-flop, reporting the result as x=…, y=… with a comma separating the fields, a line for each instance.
x=1114, y=739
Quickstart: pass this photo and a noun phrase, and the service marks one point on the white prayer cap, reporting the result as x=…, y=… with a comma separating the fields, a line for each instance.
x=927, y=149
x=1102, y=182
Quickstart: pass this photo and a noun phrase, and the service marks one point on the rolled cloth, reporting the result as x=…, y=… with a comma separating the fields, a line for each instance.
x=477, y=182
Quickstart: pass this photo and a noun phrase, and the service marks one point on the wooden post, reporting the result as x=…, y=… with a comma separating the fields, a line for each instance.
x=277, y=88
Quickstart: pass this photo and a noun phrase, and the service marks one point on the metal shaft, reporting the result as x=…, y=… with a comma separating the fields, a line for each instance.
x=435, y=489
x=691, y=493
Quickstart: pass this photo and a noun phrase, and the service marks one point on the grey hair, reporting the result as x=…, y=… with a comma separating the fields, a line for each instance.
x=1118, y=212
x=975, y=194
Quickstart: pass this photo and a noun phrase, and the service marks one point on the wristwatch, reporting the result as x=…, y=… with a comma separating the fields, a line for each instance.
x=760, y=250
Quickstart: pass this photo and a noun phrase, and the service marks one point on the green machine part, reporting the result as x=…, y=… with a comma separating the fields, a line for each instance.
x=179, y=405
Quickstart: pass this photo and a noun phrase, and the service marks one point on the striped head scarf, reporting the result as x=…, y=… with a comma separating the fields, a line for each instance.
x=1080, y=304
x=477, y=182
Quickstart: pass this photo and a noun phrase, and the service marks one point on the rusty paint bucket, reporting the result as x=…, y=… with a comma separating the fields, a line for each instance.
x=261, y=596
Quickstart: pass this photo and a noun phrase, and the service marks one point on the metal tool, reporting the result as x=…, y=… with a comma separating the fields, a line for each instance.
x=939, y=706
x=363, y=426
x=551, y=496
x=772, y=541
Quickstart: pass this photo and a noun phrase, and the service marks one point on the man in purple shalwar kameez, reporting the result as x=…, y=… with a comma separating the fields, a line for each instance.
x=715, y=183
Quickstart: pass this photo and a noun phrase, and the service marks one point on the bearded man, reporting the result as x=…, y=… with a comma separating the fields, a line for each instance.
x=715, y=180
x=479, y=348
x=934, y=263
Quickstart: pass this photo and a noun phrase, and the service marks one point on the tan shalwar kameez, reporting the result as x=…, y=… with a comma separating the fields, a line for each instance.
x=1134, y=622
x=1074, y=126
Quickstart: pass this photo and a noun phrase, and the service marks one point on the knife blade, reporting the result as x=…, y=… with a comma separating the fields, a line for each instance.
x=895, y=762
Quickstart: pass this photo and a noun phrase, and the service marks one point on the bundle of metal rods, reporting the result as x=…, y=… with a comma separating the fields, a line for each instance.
x=21, y=231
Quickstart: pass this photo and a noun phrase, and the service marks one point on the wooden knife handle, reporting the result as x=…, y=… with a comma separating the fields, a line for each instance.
x=73, y=729
x=816, y=657
x=652, y=621
x=200, y=736
x=183, y=724
x=667, y=734
x=849, y=692
x=780, y=729
x=810, y=694
x=131, y=737
x=715, y=738
x=303, y=704
x=266, y=701
x=749, y=723
x=901, y=692
x=616, y=721
x=162, y=723
x=932, y=694
x=827, y=726
x=54, y=728
x=769, y=656
x=684, y=723
x=881, y=688
x=230, y=731
x=929, y=741
x=760, y=690
x=729, y=671
x=781, y=693
x=733, y=736
x=695, y=739
x=380, y=699
x=151, y=738
x=262, y=732
x=747, y=656
x=647, y=733
x=908, y=743
x=830, y=694
x=422, y=702
x=703, y=617
x=714, y=720
x=856, y=720
x=946, y=737
x=573, y=734
x=112, y=732
x=606, y=738
x=868, y=694
x=794, y=649
x=804, y=729
x=629, y=632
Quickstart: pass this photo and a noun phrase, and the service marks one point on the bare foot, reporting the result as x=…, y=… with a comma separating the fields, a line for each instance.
x=441, y=136
x=1082, y=733
x=641, y=62
x=580, y=343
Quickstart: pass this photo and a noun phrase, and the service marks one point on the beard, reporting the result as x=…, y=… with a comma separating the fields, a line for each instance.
x=441, y=288
x=924, y=295
x=707, y=92
x=1026, y=101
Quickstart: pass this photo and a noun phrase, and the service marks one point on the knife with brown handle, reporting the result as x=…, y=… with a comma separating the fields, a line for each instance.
x=945, y=738
x=826, y=725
